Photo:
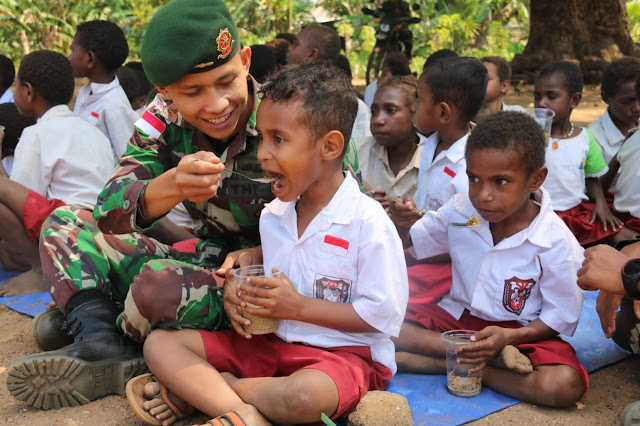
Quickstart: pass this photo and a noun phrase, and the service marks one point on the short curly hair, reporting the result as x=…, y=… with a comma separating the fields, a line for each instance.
x=7, y=72
x=50, y=74
x=619, y=72
x=504, y=70
x=14, y=123
x=511, y=130
x=319, y=86
x=407, y=84
x=106, y=40
x=573, y=80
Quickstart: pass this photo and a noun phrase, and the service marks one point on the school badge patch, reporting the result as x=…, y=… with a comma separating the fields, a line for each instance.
x=225, y=44
x=516, y=292
x=332, y=289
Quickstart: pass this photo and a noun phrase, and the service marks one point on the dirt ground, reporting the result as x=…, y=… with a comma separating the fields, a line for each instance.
x=612, y=388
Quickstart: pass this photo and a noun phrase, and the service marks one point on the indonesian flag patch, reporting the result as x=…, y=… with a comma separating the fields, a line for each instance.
x=150, y=125
x=335, y=245
x=449, y=172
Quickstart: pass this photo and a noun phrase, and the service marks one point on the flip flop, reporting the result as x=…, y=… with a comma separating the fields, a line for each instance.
x=136, y=396
x=232, y=417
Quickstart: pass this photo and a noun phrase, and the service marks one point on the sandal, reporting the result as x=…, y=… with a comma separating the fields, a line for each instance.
x=136, y=396
x=232, y=417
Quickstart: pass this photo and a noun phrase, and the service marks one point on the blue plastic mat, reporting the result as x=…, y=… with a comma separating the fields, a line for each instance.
x=428, y=397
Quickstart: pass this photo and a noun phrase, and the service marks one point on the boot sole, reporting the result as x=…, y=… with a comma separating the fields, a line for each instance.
x=55, y=381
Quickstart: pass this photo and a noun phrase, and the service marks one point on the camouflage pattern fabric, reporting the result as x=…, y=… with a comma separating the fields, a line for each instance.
x=159, y=286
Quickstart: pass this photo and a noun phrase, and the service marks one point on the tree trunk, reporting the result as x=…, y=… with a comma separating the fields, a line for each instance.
x=590, y=32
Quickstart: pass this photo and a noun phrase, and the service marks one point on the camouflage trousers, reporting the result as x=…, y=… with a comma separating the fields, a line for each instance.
x=159, y=286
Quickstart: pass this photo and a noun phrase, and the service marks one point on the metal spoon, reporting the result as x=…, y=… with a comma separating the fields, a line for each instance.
x=259, y=180
x=423, y=211
x=463, y=224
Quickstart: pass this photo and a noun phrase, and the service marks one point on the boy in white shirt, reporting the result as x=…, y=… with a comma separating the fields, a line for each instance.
x=497, y=87
x=321, y=232
x=61, y=160
x=514, y=273
x=98, y=49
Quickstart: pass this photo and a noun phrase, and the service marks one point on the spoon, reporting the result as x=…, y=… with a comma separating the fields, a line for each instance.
x=423, y=211
x=259, y=180
x=468, y=224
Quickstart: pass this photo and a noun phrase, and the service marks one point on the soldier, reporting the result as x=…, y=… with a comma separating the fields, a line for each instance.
x=199, y=128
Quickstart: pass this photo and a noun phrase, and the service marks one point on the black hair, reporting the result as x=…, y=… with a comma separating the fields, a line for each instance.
x=263, y=62
x=325, y=39
x=437, y=55
x=504, y=70
x=573, y=80
x=461, y=81
x=406, y=83
x=619, y=72
x=106, y=40
x=319, y=86
x=280, y=48
x=50, y=74
x=7, y=72
x=343, y=63
x=398, y=63
x=290, y=37
x=14, y=124
x=129, y=81
x=514, y=131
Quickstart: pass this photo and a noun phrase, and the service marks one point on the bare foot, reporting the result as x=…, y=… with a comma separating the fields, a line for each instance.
x=27, y=282
x=156, y=406
x=512, y=359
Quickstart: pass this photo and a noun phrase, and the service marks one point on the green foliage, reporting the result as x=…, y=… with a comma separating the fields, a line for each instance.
x=633, y=13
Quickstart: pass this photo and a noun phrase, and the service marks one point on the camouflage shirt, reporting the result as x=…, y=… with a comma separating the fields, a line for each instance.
x=161, y=137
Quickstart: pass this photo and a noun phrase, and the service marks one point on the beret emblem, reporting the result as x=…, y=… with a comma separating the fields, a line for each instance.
x=225, y=44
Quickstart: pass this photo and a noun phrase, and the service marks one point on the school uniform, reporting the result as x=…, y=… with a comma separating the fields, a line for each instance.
x=362, y=124
x=106, y=106
x=570, y=161
x=626, y=200
x=530, y=275
x=60, y=158
x=7, y=97
x=442, y=177
x=376, y=171
x=349, y=253
x=518, y=108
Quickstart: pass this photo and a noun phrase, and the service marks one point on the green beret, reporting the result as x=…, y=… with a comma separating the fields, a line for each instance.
x=186, y=37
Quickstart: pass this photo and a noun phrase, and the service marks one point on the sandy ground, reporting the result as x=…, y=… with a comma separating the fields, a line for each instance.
x=612, y=388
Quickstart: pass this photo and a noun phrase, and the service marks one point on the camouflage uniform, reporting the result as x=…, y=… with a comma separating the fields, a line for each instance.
x=159, y=286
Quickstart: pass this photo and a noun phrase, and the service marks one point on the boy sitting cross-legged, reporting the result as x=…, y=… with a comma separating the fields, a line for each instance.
x=321, y=231
x=514, y=274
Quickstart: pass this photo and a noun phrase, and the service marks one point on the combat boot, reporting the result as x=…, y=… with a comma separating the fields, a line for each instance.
x=49, y=330
x=99, y=362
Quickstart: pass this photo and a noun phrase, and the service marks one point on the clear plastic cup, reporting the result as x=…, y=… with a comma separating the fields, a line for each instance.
x=259, y=325
x=544, y=117
x=459, y=381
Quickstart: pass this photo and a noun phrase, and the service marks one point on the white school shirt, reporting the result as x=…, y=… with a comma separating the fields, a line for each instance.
x=63, y=157
x=530, y=275
x=107, y=107
x=375, y=169
x=518, y=108
x=6, y=97
x=627, y=196
x=442, y=177
x=362, y=124
x=370, y=92
x=576, y=159
x=349, y=253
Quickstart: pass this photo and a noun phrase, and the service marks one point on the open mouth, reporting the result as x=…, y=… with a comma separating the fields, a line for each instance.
x=219, y=119
x=279, y=181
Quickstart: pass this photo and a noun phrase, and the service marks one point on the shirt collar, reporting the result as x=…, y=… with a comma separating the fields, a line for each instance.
x=611, y=131
x=98, y=88
x=455, y=152
x=56, y=111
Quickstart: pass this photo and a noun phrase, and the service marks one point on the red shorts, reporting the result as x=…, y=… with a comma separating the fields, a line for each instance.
x=427, y=284
x=630, y=222
x=577, y=219
x=550, y=351
x=36, y=210
x=350, y=367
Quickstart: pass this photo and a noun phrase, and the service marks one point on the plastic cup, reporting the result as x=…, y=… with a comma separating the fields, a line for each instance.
x=259, y=325
x=544, y=117
x=459, y=381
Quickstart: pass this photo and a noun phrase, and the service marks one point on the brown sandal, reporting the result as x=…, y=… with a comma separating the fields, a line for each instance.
x=232, y=417
x=136, y=396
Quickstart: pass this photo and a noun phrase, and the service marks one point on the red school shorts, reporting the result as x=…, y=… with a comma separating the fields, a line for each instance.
x=36, y=210
x=350, y=367
x=550, y=351
x=577, y=219
x=428, y=282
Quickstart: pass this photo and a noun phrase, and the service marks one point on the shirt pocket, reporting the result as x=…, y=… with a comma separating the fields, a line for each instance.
x=519, y=292
x=333, y=283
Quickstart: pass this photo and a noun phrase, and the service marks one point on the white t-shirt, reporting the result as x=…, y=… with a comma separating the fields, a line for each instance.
x=107, y=107
x=361, y=125
x=6, y=97
x=349, y=253
x=530, y=275
x=7, y=163
x=627, y=195
x=518, y=108
x=375, y=169
x=608, y=136
x=370, y=92
x=442, y=177
x=574, y=160
x=63, y=157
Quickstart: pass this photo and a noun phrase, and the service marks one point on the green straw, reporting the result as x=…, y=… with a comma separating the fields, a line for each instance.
x=326, y=420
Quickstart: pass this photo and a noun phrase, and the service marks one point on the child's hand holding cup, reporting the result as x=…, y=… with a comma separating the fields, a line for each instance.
x=259, y=324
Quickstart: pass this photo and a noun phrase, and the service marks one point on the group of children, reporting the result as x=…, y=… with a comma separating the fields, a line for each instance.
x=479, y=221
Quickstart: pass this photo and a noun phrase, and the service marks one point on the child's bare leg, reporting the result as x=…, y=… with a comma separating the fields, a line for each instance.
x=296, y=399
x=551, y=385
x=418, y=340
x=623, y=235
x=178, y=360
x=420, y=364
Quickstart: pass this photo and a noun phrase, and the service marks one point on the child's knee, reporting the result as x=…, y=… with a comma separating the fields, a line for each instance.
x=155, y=343
x=560, y=386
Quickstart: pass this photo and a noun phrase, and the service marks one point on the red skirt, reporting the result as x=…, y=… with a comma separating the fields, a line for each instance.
x=427, y=284
x=36, y=210
x=577, y=219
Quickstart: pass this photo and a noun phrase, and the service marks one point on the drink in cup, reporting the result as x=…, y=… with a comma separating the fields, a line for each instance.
x=544, y=117
x=259, y=325
x=459, y=381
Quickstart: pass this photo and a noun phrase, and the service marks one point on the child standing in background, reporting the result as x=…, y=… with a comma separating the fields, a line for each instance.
x=574, y=159
x=98, y=49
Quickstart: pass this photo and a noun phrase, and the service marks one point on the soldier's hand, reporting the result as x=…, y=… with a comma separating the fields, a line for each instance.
x=197, y=176
x=240, y=258
x=233, y=305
